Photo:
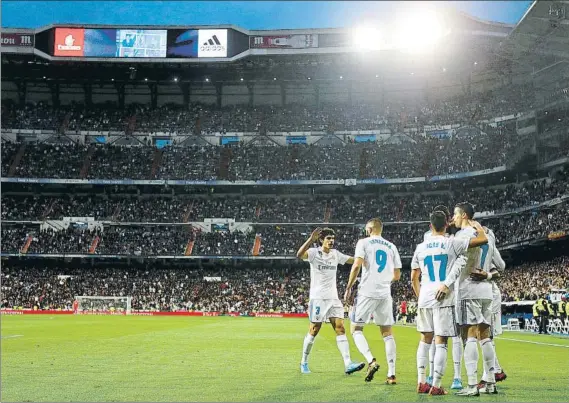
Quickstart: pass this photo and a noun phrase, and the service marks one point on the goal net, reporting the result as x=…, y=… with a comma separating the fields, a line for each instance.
x=103, y=305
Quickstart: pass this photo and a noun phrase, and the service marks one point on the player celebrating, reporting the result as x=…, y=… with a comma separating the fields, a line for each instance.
x=324, y=302
x=474, y=306
x=492, y=266
x=456, y=340
x=381, y=265
x=430, y=263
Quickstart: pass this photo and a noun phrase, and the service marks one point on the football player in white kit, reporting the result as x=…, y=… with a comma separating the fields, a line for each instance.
x=474, y=306
x=492, y=266
x=381, y=265
x=456, y=340
x=324, y=302
x=431, y=261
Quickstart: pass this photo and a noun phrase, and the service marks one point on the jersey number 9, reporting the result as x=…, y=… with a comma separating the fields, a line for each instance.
x=381, y=260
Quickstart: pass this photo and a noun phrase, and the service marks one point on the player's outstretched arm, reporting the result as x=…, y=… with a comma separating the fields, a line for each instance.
x=356, y=267
x=481, y=238
x=302, y=253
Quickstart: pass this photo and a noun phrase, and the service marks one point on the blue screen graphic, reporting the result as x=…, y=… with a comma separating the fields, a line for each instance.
x=364, y=139
x=183, y=43
x=296, y=140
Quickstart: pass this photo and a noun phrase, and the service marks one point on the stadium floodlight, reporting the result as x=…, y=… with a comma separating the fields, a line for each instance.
x=366, y=38
x=241, y=78
x=419, y=31
x=175, y=79
x=274, y=79
x=207, y=80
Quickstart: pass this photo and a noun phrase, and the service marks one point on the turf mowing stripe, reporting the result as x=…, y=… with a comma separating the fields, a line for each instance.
x=13, y=336
x=533, y=342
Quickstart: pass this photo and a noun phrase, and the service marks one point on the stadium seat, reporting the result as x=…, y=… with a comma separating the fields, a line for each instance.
x=513, y=324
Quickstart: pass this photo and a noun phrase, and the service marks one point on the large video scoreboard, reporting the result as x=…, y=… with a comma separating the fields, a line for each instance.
x=147, y=43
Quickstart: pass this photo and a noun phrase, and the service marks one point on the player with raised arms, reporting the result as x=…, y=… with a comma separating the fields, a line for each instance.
x=324, y=302
x=474, y=306
x=431, y=261
x=456, y=340
x=381, y=265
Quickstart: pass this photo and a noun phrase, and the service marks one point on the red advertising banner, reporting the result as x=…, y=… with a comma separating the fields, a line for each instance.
x=17, y=40
x=69, y=42
x=284, y=42
x=152, y=313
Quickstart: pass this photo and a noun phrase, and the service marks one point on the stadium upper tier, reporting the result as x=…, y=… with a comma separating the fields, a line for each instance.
x=244, y=290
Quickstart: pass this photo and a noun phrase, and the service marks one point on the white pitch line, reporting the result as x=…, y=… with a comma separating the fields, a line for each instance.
x=533, y=342
x=13, y=336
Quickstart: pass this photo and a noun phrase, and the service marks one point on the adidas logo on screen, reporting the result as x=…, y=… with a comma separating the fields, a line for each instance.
x=213, y=44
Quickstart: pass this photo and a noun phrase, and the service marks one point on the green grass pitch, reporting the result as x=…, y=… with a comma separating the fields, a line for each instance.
x=102, y=358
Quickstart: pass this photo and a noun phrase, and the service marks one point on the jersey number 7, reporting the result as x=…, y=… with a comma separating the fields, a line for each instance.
x=430, y=263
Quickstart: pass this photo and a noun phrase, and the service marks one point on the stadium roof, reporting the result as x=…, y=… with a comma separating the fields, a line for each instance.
x=542, y=35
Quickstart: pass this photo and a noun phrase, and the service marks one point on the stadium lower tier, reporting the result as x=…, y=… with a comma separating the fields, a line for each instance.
x=263, y=240
x=227, y=289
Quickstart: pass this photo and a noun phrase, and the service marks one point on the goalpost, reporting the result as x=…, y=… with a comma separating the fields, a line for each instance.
x=87, y=304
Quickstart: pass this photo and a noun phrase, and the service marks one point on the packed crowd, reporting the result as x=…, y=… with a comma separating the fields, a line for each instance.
x=276, y=240
x=412, y=158
x=205, y=119
x=227, y=290
x=390, y=207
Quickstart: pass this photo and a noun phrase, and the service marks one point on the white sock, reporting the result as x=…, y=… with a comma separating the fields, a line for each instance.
x=489, y=358
x=344, y=348
x=471, y=361
x=361, y=344
x=497, y=367
x=391, y=354
x=440, y=364
x=432, y=359
x=308, y=343
x=457, y=356
x=422, y=351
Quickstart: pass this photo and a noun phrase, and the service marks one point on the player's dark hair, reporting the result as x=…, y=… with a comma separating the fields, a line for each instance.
x=326, y=232
x=444, y=209
x=438, y=220
x=467, y=208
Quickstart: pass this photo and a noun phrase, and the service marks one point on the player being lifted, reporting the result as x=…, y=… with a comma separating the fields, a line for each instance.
x=456, y=340
x=474, y=306
x=324, y=302
x=431, y=261
x=492, y=266
x=381, y=265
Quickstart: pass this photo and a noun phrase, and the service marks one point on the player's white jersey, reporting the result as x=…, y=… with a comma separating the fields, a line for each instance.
x=469, y=289
x=323, y=269
x=491, y=258
x=381, y=258
x=435, y=257
x=430, y=233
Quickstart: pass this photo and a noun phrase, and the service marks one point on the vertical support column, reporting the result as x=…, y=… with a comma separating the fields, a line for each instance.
x=283, y=93
x=250, y=88
x=218, y=94
x=22, y=91
x=88, y=88
x=317, y=95
x=120, y=94
x=186, y=94
x=153, y=95
x=54, y=89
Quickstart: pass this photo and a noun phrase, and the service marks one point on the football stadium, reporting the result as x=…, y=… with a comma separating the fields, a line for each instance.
x=213, y=213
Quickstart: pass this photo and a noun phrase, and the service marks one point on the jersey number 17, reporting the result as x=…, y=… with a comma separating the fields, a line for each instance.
x=442, y=260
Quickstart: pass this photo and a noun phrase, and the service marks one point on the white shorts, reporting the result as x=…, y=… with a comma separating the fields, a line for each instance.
x=365, y=307
x=497, y=324
x=474, y=312
x=440, y=321
x=320, y=310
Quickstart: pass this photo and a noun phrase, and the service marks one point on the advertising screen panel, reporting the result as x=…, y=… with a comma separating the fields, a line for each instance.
x=284, y=42
x=119, y=43
x=212, y=43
